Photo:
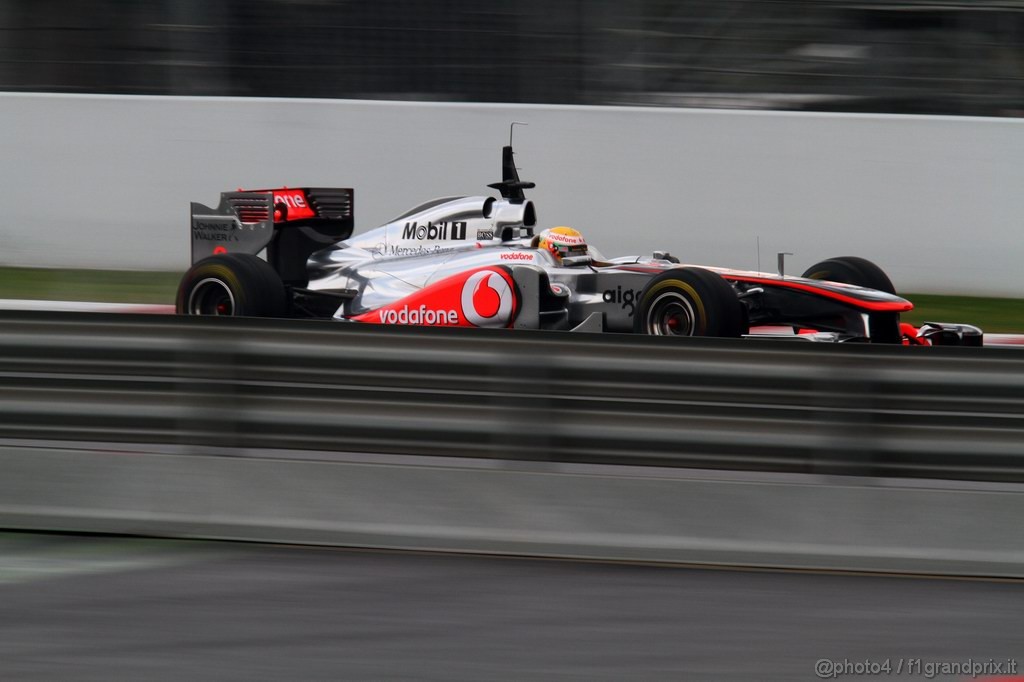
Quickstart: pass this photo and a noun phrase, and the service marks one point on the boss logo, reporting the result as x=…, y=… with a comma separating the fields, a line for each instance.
x=626, y=298
x=484, y=235
x=414, y=230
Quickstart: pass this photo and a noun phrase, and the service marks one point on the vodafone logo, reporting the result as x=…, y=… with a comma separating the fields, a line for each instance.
x=291, y=205
x=567, y=239
x=421, y=315
x=517, y=256
x=487, y=300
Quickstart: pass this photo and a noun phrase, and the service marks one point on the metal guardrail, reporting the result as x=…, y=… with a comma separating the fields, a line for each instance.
x=279, y=431
x=255, y=385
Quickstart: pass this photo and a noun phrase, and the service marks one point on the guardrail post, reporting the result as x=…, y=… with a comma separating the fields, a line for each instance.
x=845, y=394
x=208, y=396
x=528, y=419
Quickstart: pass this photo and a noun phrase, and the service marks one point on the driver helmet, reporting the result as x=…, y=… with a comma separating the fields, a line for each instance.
x=562, y=241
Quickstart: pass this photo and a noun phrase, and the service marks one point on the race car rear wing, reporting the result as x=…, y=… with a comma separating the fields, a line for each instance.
x=289, y=223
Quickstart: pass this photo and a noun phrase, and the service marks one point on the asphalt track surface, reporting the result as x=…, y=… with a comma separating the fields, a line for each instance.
x=94, y=608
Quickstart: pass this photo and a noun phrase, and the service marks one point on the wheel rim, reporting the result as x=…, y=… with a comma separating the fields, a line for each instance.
x=670, y=314
x=211, y=296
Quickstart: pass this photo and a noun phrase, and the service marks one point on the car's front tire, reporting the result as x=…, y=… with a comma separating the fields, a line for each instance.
x=852, y=270
x=885, y=326
x=232, y=284
x=690, y=302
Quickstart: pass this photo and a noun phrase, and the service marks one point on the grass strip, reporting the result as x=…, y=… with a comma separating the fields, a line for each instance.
x=995, y=315
x=108, y=286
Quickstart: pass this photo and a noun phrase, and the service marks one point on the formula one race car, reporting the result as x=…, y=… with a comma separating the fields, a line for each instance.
x=476, y=262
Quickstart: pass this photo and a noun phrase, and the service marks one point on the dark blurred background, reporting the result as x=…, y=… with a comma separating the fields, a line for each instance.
x=914, y=56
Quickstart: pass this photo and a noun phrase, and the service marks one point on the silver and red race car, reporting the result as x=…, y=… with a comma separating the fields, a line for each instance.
x=477, y=262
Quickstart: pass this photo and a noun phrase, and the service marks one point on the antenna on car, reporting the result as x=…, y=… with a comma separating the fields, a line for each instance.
x=512, y=129
x=511, y=187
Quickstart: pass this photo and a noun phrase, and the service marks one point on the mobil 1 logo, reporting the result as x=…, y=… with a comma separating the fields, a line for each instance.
x=452, y=231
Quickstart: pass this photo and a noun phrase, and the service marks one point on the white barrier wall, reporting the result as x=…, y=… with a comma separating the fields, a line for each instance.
x=534, y=509
x=105, y=181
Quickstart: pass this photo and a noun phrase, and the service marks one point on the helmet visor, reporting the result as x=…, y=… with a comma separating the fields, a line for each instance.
x=564, y=250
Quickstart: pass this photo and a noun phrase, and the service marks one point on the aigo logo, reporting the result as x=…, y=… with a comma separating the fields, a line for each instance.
x=487, y=299
x=627, y=298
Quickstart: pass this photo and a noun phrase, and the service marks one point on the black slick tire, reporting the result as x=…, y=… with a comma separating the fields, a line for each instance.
x=851, y=270
x=689, y=302
x=885, y=326
x=232, y=284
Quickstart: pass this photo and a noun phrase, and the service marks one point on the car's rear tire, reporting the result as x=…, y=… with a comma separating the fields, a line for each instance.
x=689, y=302
x=233, y=284
x=852, y=270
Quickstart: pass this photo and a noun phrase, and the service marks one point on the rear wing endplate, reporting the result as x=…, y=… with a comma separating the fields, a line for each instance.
x=242, y=223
